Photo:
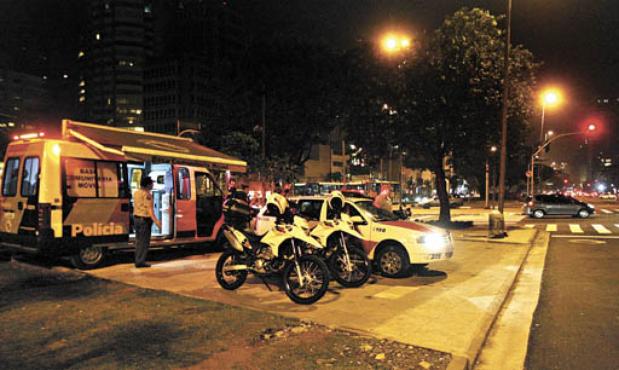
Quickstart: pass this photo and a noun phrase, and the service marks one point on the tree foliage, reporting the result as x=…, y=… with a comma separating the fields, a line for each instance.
x=451, y=97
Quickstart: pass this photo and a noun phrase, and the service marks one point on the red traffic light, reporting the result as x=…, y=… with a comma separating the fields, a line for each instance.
x=591, y=127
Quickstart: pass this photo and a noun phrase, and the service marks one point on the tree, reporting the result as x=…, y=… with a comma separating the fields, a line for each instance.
x=451, y=97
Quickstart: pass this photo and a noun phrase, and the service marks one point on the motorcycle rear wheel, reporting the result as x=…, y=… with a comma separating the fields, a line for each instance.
x=361, y=267
x=230, y=280
x=315, y=280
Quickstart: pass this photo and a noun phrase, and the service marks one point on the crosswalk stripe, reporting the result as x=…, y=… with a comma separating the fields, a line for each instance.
x=606, y=211
x=529, y=226
x=576, y=229
x=551, y=227
x=601, y=229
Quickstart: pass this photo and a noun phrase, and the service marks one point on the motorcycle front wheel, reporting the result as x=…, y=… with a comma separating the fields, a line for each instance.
x=352, y=276
x=313, y=283
x=229, y=280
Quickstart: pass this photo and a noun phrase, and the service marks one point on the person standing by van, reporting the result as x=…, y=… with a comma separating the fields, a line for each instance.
x=143, y=217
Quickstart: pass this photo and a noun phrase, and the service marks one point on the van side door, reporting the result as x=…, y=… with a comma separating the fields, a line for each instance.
x=209, y=201
x=185, y=203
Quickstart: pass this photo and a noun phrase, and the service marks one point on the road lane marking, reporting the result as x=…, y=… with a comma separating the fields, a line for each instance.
x=606, y=211
x=576, y=229
x=551, y=227
x=563, y=236
x=529, y=226
x=601, y=229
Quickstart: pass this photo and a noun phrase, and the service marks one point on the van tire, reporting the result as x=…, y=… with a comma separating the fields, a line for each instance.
x=89, y=258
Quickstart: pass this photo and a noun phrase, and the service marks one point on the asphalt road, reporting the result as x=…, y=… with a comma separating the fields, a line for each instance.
x=576, y=324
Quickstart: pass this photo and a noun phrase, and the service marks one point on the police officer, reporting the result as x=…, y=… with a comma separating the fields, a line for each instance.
x=143, y=217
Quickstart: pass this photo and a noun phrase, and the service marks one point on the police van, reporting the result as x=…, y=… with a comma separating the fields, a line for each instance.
x=72, y=195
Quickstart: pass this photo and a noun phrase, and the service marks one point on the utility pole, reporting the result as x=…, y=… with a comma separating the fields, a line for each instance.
x=487, y=183
x=506, y=82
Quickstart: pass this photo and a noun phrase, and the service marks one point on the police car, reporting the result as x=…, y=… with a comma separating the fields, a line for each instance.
x=395, y=245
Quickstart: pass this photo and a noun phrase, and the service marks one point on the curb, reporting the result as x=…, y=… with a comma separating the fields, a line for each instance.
x=467, y=360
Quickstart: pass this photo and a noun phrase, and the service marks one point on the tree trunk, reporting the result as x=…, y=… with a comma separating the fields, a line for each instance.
x=441, y=191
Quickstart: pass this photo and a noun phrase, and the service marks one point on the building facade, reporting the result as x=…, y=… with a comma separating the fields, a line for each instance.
x=116, y=45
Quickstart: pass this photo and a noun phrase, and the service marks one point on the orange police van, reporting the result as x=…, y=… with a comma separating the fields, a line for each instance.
x=72, y=195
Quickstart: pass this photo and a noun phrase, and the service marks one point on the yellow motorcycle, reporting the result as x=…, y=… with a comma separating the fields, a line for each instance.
x=286, y=248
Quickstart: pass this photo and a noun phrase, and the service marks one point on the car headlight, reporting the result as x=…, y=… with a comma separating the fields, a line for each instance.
x=433, y=239
x=590, y=206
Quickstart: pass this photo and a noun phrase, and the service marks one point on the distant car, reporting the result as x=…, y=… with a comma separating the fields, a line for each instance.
x=555, y=204
x=434, y=202
x=608, y=196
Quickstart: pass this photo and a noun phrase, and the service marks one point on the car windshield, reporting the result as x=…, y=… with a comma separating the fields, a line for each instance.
x=376, y=214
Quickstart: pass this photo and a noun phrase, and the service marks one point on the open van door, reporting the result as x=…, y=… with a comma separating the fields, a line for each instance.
x=209, y=200
x=185, y=202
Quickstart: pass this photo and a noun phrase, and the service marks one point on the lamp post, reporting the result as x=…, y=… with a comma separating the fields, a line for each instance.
x=550, y=97
x=493, y=150
x=505, y=102
x=590, y=129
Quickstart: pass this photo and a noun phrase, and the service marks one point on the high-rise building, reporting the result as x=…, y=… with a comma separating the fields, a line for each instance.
x=117, y=44
x=23, y=98
x=193, y=39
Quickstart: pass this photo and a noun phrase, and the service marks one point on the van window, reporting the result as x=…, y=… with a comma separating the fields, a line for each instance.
x=94, y=179
x=184, y=184
x=30, y=177
x=205, y=187
x=11, y=173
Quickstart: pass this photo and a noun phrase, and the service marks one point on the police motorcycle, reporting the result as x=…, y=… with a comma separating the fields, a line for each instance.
x=285, y=249
x=347, y=261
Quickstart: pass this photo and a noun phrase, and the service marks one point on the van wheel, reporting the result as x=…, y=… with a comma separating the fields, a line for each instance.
x=393, y=261
x=538, y=213
x=89, y=258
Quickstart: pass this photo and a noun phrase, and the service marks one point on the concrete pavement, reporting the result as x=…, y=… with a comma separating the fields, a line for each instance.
x=449, y=308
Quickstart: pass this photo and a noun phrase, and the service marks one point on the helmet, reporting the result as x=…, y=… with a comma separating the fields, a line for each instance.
x=336, y=201
x=277, y=203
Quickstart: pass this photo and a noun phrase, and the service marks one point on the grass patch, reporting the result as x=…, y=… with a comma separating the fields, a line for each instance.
x=52, y=320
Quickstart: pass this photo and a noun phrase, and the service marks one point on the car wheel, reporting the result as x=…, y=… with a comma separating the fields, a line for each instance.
x=538, y=213
x=583, y=213
x=393, y=261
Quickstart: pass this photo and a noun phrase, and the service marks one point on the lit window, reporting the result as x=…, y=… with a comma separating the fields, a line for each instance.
x=82, y=83
x=82, y=91
x=147, y=9
x=80, y=54
x=97, y=36
x=82, y=99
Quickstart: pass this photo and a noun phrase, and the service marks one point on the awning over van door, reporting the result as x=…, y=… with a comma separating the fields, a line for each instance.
x=149, y=146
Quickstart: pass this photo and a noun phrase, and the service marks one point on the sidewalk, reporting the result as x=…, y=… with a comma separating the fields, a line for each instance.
x=449, y=308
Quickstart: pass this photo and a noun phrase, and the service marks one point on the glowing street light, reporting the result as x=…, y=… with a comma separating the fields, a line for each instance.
x=551, y=97
x=392, y=43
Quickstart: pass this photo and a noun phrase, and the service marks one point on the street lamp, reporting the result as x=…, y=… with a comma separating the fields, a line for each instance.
x=493, y=150
x=550, y=97
x=392, y=43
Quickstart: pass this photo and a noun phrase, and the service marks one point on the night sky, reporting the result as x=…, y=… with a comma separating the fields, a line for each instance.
x=575, y=39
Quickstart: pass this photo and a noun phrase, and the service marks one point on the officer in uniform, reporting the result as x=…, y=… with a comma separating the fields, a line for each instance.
x=143, y=217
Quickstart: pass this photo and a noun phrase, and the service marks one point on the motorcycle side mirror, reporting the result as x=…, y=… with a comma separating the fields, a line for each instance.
x=358, y=220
